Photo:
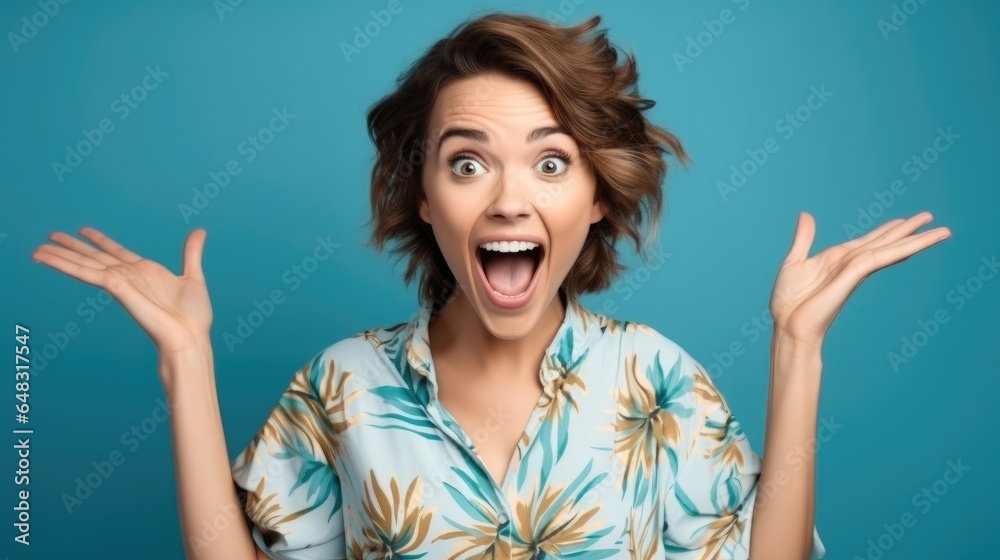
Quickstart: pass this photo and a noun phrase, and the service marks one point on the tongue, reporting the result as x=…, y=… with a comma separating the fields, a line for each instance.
x=509, y=273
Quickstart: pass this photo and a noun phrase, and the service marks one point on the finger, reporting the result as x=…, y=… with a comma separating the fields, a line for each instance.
x=72, y=256
x=82, y=273
x=805, y=232
x=906, y=248
x=857, y=270
x=194, y=247
x=114, y=280
x=873, y=234
x=75, y=244
x=902, y=230
x=861, y=267
x=109, y=245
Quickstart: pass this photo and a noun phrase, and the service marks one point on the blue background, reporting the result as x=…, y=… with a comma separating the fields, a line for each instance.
x=892, y=89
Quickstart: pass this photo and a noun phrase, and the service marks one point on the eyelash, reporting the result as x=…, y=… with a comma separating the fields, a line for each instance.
x=551, y=153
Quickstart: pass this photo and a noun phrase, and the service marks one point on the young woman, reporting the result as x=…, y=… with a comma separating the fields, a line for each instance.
x=503, y=419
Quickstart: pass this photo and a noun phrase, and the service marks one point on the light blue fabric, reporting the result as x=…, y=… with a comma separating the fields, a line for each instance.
x=631, y=452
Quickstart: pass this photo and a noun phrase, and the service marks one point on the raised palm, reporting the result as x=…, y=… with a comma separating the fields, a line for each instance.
x=810, y=291
x=175, y=311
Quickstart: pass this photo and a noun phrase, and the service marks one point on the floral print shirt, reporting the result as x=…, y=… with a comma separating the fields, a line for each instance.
x=630, y=453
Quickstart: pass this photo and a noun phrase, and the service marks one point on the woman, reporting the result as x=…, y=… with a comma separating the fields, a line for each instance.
x=504, y=419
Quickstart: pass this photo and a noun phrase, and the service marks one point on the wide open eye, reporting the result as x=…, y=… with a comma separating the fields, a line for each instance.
x=554, y=164
x=465, y=166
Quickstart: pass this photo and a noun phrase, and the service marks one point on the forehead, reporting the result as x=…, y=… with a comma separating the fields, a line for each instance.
x=490, y=100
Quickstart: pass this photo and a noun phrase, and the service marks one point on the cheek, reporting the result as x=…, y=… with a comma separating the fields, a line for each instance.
x=452, y=215
x=568, y=225
x=454, y=208
x=452, y=223
x=567, y=230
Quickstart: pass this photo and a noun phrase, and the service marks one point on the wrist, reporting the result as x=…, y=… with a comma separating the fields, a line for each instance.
x=795, y=360
x=791, y=340
x=186, y=370
x=199, y=348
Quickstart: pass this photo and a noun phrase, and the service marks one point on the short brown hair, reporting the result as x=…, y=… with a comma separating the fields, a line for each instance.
x=590, y=94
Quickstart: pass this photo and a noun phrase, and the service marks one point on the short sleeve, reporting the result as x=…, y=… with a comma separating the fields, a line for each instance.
x=286, y=478
x=709, y=507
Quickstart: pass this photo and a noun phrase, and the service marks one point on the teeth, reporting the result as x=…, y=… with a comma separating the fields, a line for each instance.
x=509, y=246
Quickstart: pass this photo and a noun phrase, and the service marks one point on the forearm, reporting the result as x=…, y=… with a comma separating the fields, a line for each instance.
x=211, y=516
x=783, y=517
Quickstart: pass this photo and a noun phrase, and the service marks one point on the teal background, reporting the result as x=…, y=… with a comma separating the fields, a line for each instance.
x=899, y=426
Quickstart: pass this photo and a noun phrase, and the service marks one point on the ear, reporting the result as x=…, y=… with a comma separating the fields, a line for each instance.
x=596, y=212
x=425, y=209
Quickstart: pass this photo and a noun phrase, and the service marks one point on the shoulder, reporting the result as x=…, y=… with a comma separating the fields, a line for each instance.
x=367, y=353
x=647, y=342
x=707, y=396
x=667, y=366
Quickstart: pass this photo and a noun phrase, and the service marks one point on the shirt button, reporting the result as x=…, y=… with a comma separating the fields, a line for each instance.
x=502, y=517
x=551, y=374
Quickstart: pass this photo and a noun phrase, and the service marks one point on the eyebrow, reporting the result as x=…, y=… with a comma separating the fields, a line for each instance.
x=480, y=136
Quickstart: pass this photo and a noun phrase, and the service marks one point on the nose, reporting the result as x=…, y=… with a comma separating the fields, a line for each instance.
x=511, y=201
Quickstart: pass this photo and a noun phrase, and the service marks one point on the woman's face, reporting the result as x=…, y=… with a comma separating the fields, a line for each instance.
x=505, y=171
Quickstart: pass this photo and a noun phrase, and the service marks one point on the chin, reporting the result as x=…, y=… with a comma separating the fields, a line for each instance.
x=510, y=327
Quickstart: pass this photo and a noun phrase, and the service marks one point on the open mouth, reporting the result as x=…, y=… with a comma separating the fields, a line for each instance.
x=509, y=268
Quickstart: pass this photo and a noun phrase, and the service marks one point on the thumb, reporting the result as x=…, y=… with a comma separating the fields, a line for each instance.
x=194, y=246
x=805, y=232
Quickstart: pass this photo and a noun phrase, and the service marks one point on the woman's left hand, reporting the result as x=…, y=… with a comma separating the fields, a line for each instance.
x=810, y=291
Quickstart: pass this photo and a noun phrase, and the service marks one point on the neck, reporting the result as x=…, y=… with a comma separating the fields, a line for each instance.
x=458, y=332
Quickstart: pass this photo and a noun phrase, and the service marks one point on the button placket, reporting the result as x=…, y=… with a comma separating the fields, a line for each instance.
x=458, y=435
x=449, y=426
x=502, y=506
x=502, y=511
x=436, y=411
x=447, y=423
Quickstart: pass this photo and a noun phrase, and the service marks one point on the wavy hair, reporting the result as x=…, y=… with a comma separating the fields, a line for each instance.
x=591, y=94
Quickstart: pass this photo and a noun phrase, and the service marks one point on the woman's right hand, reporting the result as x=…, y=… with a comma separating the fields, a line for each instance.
x=175, y=311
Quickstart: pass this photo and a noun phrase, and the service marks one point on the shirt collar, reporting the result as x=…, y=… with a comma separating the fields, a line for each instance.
x=562, y=357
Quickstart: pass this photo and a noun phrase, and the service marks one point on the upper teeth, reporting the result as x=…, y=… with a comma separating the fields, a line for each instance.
x=509, y=246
